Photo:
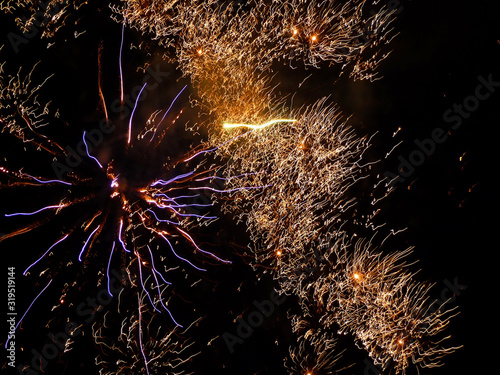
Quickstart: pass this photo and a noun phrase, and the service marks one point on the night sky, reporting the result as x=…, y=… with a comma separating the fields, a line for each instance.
x=448, y=202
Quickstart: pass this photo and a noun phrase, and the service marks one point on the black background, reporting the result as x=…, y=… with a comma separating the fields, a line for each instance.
x=449, y=204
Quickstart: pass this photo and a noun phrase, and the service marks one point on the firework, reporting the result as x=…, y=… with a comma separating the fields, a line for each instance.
x=143, y=219
x=316, y=351
x=20, y=112
x=309, y=164
x=231, y=52
x=143, y=345
x=289, y=179
x=34, y=16
x=309, y=32
x=310, y=157
x=374, y=297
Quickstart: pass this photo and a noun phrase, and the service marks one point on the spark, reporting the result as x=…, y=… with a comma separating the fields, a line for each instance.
x=86, y=242
x=122, y=91
x=160, y=220
x=114, y=183
x=218, y=147
x=139, y=262
x=158, y=347
x=389, y=290
x=177, y=256
x=154, y=269
x=28, y=309
x=99, y=82
x=132, y=115
x=176, y=178
x=140, y=336
x=107, y=269
x=159, y=290
x=120, y=237
x=37, y=211
x=229, y=190
x=168, y=110
x=50, y=248
x=158, y=192
x=185, y=234
x=48, y=181
x=88, y=153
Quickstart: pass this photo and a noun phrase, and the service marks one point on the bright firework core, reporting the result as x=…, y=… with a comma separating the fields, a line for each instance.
x=117, y=183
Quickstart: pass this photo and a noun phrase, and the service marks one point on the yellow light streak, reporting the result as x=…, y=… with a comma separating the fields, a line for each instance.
x=251, y=126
